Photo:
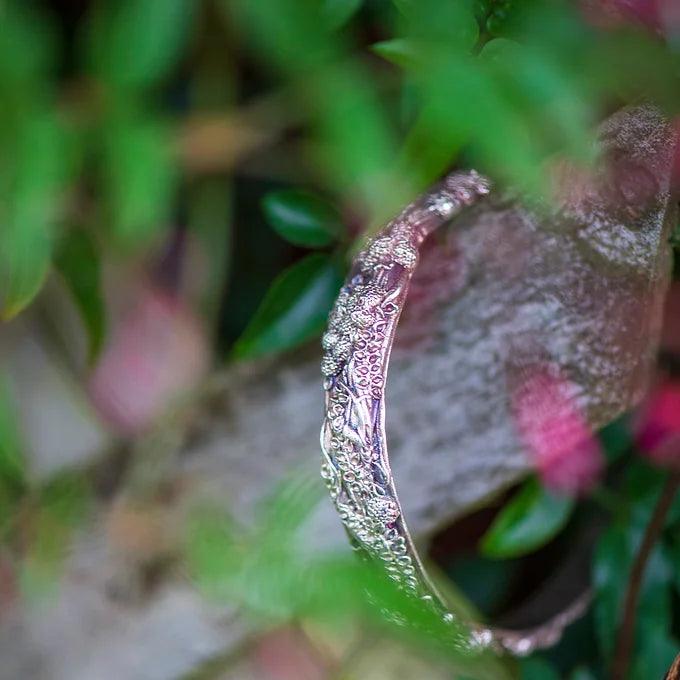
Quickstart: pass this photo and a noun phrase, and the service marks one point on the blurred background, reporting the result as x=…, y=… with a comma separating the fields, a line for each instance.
x=182, y=186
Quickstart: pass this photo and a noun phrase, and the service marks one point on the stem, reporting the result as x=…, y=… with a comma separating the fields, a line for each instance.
x=651, y=536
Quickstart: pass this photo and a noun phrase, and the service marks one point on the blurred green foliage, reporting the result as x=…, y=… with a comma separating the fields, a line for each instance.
x=302, y=218
x=616, y=550
x=76, y=260
x=37, y=518
x=538, y=669
x=265, y=568
x=503, y=84
x=54, y=511
x=298, y=302
x=138, y=178
x=131, y=45
x=295, y=308
x=34, y=177
x=527, y=522
x=12, y=466
x=581, y=674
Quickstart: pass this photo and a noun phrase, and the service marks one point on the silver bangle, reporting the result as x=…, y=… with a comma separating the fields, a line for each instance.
x=357, y=348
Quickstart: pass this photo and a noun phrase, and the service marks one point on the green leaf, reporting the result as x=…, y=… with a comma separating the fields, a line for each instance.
x=289, y=33
x=610, y=570
x=673, y=549
x=213, y=552
x=644, y=485
x=12, y=462
x=403, y=52
x=616, y=438
x=13, y=473
x=339, y=12
x=294, y=309
x=431, y=28
x=44, y=558
x=582, y=673
x=654, y=657
x=302, y=218
x=485, y=582
x=139, y=177
x=62, y=506
x=463, y=106
x=26, y=260
x=66, y=497
x=353, y=135
x=614, y=557
x=210, y=213
x=23, y=24
x=78, y=262
x=675, y=237
x=30, y=214
x=536, y=668
x=529, y=520
x=135, y=43
x=545, y=92
x=291, y=503
x=259, y=566
x=451, y=24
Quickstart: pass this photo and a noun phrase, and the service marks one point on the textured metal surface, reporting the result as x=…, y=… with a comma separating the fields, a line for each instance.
x=357, y=349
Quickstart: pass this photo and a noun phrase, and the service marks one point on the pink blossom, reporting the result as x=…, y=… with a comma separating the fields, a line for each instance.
x=658, y=431
x=156, y=352
x=558, y=439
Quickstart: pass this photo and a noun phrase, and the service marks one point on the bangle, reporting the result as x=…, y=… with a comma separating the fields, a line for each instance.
x=355, y=463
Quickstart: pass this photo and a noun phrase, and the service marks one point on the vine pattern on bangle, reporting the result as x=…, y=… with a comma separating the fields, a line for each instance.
x=357, y=348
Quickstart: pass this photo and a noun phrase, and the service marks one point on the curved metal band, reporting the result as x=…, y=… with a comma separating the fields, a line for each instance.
x=357, y=348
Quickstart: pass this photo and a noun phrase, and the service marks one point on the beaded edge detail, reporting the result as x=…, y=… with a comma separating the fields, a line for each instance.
x=357, y=345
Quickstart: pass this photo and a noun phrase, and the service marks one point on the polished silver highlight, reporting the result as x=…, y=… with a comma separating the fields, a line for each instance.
x=357, y=348
x=356, y=467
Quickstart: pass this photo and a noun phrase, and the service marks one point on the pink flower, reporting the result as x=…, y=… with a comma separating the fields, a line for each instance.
x=658, y=431
x=559, y=441
x=156, y=352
